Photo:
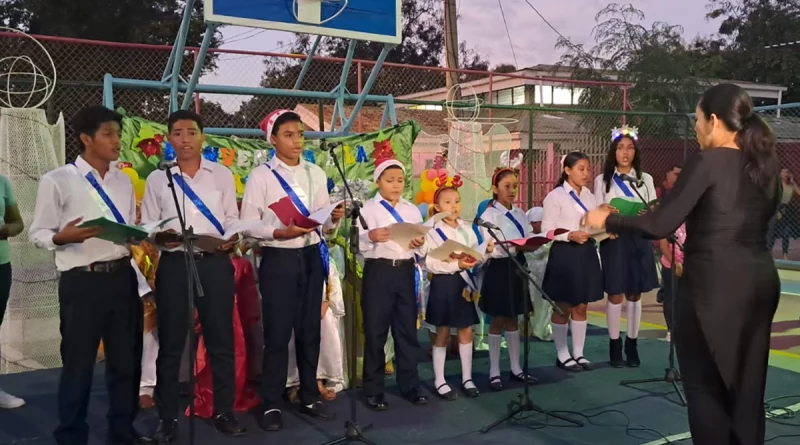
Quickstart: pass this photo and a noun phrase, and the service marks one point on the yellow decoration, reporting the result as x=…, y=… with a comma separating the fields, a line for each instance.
x=133, y=174
x=349, y=158
x=426, y=186
x=138, y=189
x=239, y=186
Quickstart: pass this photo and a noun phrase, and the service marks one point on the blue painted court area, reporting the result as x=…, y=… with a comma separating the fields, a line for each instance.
x=790, y=287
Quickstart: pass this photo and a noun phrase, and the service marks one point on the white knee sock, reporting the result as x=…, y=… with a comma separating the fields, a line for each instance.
x=578, y=337
x=494, y=355
x=439, y=357
x=613, y=315
x=512, y=338
x=634, y=314
x=560, y=340
x=465, y=352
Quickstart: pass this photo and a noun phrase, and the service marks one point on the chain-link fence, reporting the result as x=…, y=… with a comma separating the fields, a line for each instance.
x=81, y=65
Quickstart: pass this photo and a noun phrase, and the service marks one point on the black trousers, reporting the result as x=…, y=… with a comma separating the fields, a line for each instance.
x=215, y=310
x=666, y=294
x=388, y=300
x=5, y=288
x=291, y=284
x=94, y=306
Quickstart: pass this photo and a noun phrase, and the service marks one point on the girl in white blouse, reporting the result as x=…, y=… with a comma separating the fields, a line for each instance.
x=452, y=291
x=629, y=266
x=503, y=290
x=573, y=277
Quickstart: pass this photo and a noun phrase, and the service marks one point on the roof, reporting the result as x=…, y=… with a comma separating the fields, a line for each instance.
x=369, y=118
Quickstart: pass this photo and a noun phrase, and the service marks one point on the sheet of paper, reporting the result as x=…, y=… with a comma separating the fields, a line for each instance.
x=436, y=218
x=155, y=226
x=537, y=240
x=287, y=213
x=403, y=233
x=210, y=242
x=144, y=287
x=451, y=248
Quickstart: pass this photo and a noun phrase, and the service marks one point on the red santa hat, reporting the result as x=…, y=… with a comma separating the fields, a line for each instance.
x=269, y=122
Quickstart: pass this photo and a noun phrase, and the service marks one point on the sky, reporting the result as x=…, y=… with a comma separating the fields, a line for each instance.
x=480, y=24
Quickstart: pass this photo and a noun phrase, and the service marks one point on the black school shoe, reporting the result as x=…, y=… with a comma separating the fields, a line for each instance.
x=227, y=424
x=318, y=411
x=270, y=420
x=632, y=353
x=615, y=353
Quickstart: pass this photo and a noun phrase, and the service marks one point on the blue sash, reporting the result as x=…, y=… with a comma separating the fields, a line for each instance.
x=578, y=200
x=622, y=186
x=514, y=221
x=324, y=253
x=201, y=206
x=103, y=195
x=417, y=272
x=478, y=233
x=467, y=275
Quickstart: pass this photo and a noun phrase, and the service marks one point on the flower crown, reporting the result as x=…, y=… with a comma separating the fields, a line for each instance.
x=624, y=131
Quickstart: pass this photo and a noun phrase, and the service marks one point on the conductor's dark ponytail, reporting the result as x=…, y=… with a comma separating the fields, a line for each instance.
x=734, y=107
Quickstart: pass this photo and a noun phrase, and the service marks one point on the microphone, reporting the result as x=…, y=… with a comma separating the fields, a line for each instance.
x=630, y=178
x=166, y=165
x=328, y=146
x=485, y=224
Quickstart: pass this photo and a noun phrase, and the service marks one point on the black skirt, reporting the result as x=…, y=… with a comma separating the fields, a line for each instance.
x=503, y=291
x=629, y=265
x=573, y=275
x=447, y=305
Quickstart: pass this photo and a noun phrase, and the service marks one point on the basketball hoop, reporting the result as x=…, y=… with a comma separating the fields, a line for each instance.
x=310, y=11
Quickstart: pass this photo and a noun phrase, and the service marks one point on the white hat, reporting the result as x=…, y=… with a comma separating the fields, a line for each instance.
x=535, y=214
x=268, y=123
x=380, y=168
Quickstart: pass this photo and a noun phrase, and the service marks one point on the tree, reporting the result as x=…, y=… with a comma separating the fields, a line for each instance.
x=657, y=60
x=747, y=27
x=422, y=45
x=504, y=68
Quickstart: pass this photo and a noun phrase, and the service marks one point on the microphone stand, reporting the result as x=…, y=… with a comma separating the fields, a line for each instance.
x=671, y=374
x=194, y=288
x=353, y=432
x=524, y=403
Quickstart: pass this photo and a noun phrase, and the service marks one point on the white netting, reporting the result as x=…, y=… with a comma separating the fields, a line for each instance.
x=29, y=338
x=477, y=145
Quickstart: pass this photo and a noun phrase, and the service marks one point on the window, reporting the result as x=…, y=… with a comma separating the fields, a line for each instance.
x=509, y=96
x=426, y=107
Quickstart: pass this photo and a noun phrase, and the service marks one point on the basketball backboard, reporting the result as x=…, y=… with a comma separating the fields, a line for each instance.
x=373, y=20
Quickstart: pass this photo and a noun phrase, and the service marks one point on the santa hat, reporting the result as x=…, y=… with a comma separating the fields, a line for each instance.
x=384, y=164
x=535, y=214
x=269, y=122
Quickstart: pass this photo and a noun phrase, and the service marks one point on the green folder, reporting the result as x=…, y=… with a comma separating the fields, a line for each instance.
x=627, y=207
x=121, y=233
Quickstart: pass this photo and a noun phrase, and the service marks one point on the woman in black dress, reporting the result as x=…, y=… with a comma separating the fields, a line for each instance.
x=727, y=195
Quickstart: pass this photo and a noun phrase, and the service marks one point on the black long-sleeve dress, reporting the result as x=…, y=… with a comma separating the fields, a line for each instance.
x=728, y=294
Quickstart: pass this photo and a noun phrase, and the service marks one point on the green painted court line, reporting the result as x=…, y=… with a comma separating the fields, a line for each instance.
x=790, y=287
x=684, y=436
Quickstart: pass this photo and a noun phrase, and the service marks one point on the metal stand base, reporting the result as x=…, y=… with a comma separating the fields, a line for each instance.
x=353, y=433
x=671, y=375
x=525, y=406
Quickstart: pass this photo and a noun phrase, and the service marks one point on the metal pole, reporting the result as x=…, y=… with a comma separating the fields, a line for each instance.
x=211, y=28
x=307, y=63
x=180, y=44
x=373, y=75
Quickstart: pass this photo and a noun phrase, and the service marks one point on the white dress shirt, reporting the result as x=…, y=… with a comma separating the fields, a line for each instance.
x=497, y=215
x=377, y=216
x=65, y=195
x=561, y=211
x=263, y=189
x=647, y=189
x=212, y=183
x=462, y=234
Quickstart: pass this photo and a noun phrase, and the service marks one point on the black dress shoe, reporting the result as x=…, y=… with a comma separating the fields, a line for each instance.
x=585, y=364
x=615, y=353
x=496, y=383
x=416, y=398
x=227, y=424
x=270, y=420
x=470, y=392
x=377, y=403
x=133, y=438
x=166, y=432
x=318, y=411
x=524, y=378
x=632, y=353
x=446, y=393
x=570, y=365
